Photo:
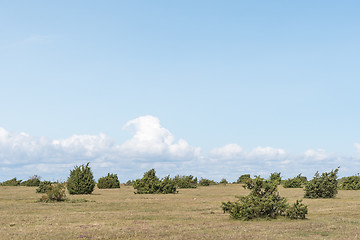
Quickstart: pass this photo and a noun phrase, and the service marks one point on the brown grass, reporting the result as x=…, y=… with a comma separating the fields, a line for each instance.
x=190, y=214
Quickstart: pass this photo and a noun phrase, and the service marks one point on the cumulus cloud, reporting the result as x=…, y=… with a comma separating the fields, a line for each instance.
x=229, y=151
x=152, y=140
x=153, y=146
x=21, y=147
x=267, y=153
x=316, y=155
x=84, y=145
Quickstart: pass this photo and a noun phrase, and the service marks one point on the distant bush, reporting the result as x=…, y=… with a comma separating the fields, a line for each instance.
x=275, y=178
x=223, y=181
x=43, y=187
x=185, y=181
x=243, y=178
x=151, y=184
x=81, y=180
x=110, y=181
x=206, y=182
x=350, y=183
x=324, y=186
x=304, y=179
x=33, y=181
x=129, y=183
x=11, y=182
x=263, y=201
x=55, y=193
x=296, y=182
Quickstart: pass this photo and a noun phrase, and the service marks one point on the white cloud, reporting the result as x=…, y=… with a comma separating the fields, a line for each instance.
x=151, y=139
x=20, y=148
x=316, y=155
x=153, y=146
x=87, y=145
x=229, y=151
x=234, y=151
x=267, y=153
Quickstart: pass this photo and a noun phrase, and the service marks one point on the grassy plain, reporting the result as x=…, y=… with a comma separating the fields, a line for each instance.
x=190, y=214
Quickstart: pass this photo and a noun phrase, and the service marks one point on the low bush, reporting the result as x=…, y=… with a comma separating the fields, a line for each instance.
x=206, y=182
x=350, y=183
x=167, y=185
x=275, y=178
x=263, y=201
x=185, y=181
x=33, y=181
x=151, y=184
x=81, y=180
x=129, y=183
x=43, y=187
x=110, y=181
x=11, y=182
x=243, y=178
x=296, y=182
x=297, y=211
x=56, y=193
x=324, y=186
x=223, y=181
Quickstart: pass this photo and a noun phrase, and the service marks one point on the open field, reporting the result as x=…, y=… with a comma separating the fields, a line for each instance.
x=190, y=214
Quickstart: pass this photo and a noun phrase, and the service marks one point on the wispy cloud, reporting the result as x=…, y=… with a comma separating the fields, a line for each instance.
x=37, y=39
x=28, y=41
x=357, y=146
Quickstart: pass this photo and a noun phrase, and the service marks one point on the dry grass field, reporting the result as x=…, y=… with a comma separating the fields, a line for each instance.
x=190, y=214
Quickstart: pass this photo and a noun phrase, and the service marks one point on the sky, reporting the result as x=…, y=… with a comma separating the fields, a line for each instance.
x=209, y=88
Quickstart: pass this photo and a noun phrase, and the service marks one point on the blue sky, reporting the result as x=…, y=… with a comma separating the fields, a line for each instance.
x=250, y=87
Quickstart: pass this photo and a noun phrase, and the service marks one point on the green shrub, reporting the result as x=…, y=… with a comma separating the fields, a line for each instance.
x=148, y=184
x=263, y=201
x=243, y=178
x=55, y=193
x=43, y=187
x=167, y=185
x=185, y=181
x=11, y=182
x=151, y=184
x=350, y=183
x=296, y=182
x=275, y=178
x=81, y=180
x=324, y=186
x=110, y=181
x=129, y=183
x=223, y=181
x=297, y=211
x=33, y=181
x=304, y=179
x=206, y=182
